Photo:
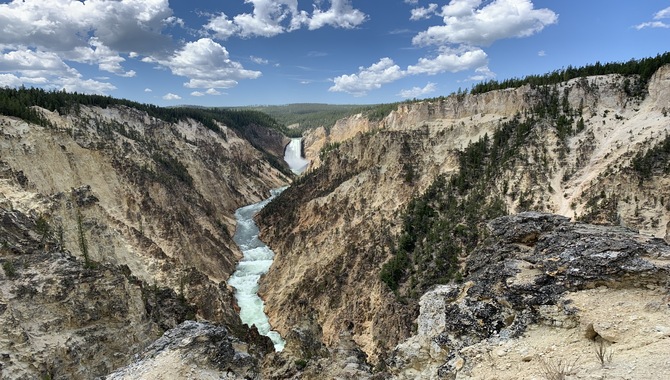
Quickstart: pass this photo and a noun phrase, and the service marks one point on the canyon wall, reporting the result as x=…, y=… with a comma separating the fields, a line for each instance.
x=135, y=212
x=334, y=229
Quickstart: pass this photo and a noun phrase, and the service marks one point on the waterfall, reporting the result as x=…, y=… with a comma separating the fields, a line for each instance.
x=293, y=156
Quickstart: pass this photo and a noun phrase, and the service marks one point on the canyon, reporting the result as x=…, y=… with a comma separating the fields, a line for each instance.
x=118, y=232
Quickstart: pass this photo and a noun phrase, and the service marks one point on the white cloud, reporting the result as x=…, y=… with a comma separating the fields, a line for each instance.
x=423, y=12
x=212, y=91
x=449, y=60
x=482, y=73
x=91, y=32
x=368, y=78
x=340, y=15
x=652, y=24
x=207, y=65
x=660, y=15
x=272, y=17
x=98, y=53
x=460, y=8
x=467, y=26
x=148, y=90
x=465, y=23
x=663, y=13
x=542, y=53
x=171, y=96
x=46, y=69
x=10, y=80
x=258, y=60
x=197, y=93
x=386, y=71
x=415, y=92
x=61, y=26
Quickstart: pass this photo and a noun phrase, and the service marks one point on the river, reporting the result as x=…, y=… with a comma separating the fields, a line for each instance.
x=257, y=257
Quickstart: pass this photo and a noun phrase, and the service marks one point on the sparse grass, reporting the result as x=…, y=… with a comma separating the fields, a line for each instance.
x=557, y=370
x=603, y=351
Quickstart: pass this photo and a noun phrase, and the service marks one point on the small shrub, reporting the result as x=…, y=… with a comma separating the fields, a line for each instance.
x=301, y=364
x=557, y=370
x=9, y=268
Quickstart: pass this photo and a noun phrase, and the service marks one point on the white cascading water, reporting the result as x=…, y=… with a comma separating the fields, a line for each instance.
x=258, y=256
x=293, y=156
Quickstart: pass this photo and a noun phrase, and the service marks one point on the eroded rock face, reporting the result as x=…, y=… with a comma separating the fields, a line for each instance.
x=523, y=276
x=330, y=253
x=63, y=319
x=117, y=226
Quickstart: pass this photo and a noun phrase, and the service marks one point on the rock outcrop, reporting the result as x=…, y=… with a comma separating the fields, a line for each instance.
x=540, y=269
x=198, y=350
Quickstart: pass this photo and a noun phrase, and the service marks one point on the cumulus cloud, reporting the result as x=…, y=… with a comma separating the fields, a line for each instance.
x=482, y=73
x=416, y=92
x=658, y=16
x=423, y=12
x=386, y=71
x=171, y=96
x=467, y=26
x=466, y=23
x=61, y=26
x=368, y=78
x=97, y=53
x=148, y=90
x=207, y=64
x=10, y=80
x=541, y=53
x=449, y=60
x=272, y=17
x=45, y=69
x=91, y=32
x=340, y=15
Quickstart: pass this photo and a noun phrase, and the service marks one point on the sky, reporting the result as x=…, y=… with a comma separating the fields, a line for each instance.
x=266, y=52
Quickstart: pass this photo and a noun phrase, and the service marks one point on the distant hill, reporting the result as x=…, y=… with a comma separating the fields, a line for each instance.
x=309, y=115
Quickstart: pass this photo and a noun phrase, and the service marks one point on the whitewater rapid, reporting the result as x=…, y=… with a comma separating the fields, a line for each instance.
x=257, y=257
x=255, y=263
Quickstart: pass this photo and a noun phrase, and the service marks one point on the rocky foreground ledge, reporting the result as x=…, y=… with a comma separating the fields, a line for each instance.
x=542, y=296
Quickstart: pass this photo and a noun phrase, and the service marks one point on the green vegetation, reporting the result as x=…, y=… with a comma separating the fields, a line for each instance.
x=18, y=103
x=645, y=68
x=172, y=168
x=83, y=244
x=447, y=222
x=9, y=268
x=307, y=115
x=656, y=159
x=323, y=153
x=300, y=364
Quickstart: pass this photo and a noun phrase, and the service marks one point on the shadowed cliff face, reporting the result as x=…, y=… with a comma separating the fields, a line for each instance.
x=335, y=227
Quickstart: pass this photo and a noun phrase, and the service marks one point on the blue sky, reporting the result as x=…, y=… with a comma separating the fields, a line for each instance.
x=245, y=52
